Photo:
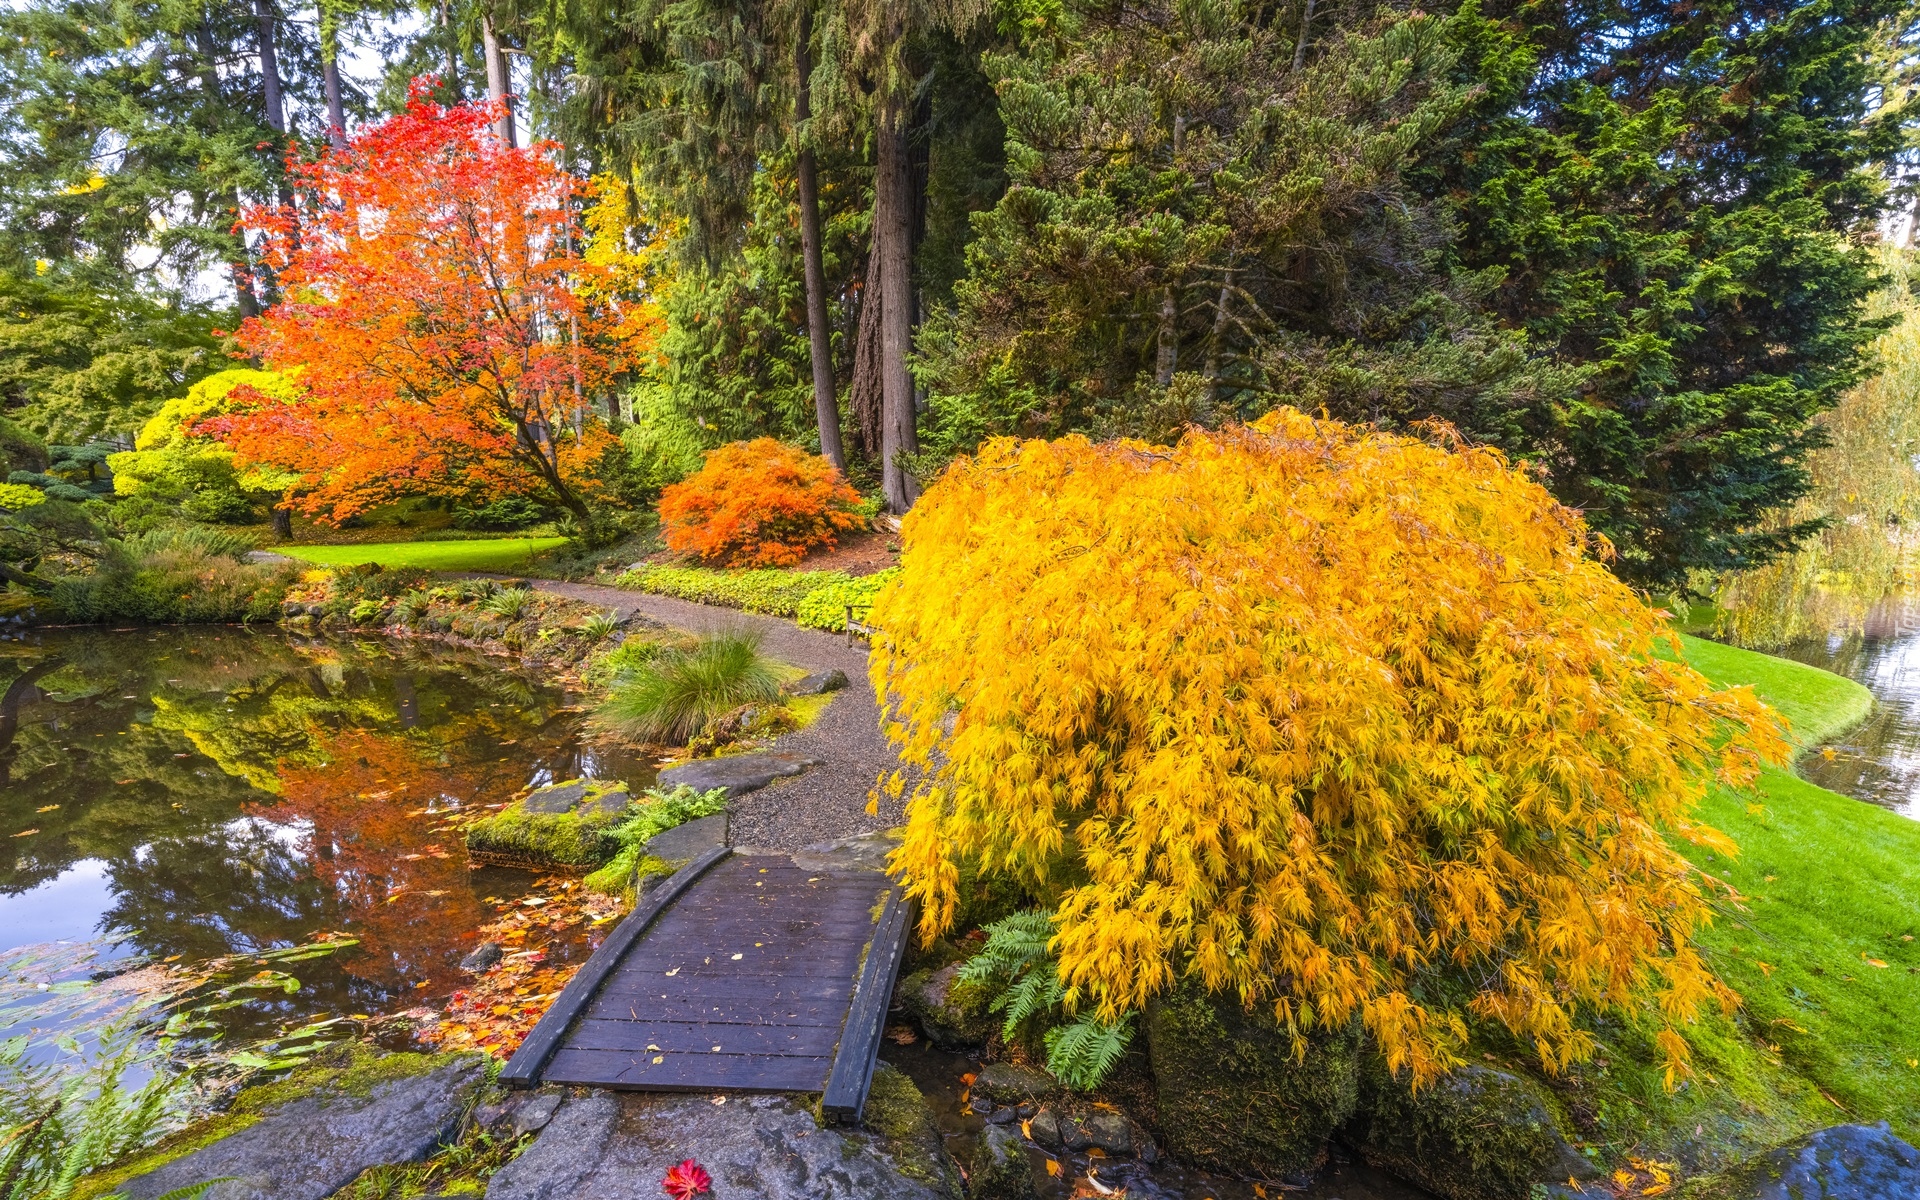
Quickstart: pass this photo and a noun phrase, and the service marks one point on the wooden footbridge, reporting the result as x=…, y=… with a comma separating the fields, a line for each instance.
x=739, y=972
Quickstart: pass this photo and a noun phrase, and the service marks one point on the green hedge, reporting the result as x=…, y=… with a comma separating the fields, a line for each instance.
x=817, y=599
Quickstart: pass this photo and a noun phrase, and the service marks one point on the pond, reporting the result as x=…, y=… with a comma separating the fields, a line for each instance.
x=183, y=795
x=1878, y=761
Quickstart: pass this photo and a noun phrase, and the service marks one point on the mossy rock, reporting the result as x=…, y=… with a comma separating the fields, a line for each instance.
x=897, y=1112
x=566, y=826
x=1234, y=1097
x=1478, y=1134
x=951, y=1013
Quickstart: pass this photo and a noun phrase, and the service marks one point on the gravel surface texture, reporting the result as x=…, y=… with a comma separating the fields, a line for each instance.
x=827, y=801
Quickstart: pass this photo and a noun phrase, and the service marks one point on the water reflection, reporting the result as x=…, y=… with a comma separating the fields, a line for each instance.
x=1879, y=761
x=204, y=792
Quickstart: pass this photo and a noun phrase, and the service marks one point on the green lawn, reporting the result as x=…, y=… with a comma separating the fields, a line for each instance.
x=489, y=555
x=1830, y=888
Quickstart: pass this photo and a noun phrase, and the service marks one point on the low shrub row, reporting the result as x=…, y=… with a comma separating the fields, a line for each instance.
x=816, y=599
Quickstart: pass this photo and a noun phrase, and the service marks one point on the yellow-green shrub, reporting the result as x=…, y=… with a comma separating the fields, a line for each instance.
x=1354, y=725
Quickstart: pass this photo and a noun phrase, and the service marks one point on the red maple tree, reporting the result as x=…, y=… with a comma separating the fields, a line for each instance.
x=446, y=327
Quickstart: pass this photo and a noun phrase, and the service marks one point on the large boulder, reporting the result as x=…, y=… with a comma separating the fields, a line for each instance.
x=1232, y=1095
x=311, y=1135
x=1478, y=1134
x=1843, y=1162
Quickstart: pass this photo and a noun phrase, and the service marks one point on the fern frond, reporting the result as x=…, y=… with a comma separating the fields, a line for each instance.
x=1081, y=1054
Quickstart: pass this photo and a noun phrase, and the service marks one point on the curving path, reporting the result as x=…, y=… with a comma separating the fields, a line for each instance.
x=827, y=801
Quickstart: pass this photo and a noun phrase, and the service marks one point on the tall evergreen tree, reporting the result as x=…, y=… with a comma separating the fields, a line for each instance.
x=1677, y=196
x=1197, y=228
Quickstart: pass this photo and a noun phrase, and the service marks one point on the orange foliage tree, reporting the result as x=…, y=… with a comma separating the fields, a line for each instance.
x=758, y=504
x=1311, y=713
x=452, y=331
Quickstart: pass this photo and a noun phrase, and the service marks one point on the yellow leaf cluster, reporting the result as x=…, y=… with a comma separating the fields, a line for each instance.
x=1315, y=713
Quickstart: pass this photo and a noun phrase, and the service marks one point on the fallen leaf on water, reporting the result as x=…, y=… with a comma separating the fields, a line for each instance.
x=1053, y=1166
x=902, y=1035
x=51, y=807
x=26, y=832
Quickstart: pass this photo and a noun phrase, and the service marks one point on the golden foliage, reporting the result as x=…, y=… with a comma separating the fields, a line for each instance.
x=1316, y=713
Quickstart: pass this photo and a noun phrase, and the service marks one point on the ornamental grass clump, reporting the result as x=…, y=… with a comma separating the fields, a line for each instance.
x=675, y=693
x=1348, y=724
x=758, y=504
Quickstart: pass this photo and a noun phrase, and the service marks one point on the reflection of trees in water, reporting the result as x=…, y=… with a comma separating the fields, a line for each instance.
x=247, y=790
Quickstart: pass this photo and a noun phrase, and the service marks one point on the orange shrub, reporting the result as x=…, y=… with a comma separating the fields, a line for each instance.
x=758, y=504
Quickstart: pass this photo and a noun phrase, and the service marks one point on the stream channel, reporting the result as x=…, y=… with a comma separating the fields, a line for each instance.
x=181, y=795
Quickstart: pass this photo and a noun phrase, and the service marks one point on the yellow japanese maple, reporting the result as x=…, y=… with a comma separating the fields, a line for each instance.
x=1317, y=714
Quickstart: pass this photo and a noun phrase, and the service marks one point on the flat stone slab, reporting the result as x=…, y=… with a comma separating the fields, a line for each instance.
x=818, y=683
x=738, y=773
x=311, y=1148
x=619, y=1147
x=1843, y=1162
x=861, y=852
x=688, y=840
x=587, y=797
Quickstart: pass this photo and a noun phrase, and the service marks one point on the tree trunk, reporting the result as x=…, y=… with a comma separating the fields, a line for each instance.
x=276, y=119
x=243, y=287
x=282, y=522
x=452, y=83
x=1167, y=358
x=1219, y=335
x=330, y=73
x=1300, y=43
x=826, y=405
x=863, y=393
x=893, y=265
x=499, y=81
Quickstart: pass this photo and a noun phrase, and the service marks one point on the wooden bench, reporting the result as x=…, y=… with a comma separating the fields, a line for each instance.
x=856, y=626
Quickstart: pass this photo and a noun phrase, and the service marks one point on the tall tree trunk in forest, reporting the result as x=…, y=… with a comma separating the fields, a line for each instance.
x=240, y=268
x=1300, y=43
x=270, y=94
x=330, y=72
x=452, y=81
x=1167, y=356
x=893, y=267
x=863, y=392
x=826, y=406
x=499, y=80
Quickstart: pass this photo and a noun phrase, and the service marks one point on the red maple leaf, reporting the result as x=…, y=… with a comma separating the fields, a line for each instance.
x=687, y=1180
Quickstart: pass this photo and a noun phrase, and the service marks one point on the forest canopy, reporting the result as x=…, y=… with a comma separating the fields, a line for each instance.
x=1625, y=243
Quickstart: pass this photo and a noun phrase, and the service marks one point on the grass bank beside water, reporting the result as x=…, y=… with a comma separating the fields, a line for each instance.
x=1816, y=942
x=1822, y=944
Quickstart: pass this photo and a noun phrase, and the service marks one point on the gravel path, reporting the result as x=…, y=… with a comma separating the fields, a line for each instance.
x=828, y=801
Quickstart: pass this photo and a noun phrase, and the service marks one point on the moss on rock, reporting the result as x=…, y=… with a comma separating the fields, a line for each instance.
x=897, y=1112
x=1234, y=1097
x=953, y=1014
x=566, y=825
x=1478, y=1134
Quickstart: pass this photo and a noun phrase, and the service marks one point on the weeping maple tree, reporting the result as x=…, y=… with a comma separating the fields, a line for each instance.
x=450, y=331
x=1368, y=733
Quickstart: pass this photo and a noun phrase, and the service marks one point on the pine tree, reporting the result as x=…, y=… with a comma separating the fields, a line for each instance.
x=1197, y=227
x=1677, y=197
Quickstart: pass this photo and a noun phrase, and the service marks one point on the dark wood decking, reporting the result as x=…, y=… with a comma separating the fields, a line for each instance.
x=737, y=973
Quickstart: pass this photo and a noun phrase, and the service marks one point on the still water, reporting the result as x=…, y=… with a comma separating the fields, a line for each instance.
x=1879, y=761
x=180, y=795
